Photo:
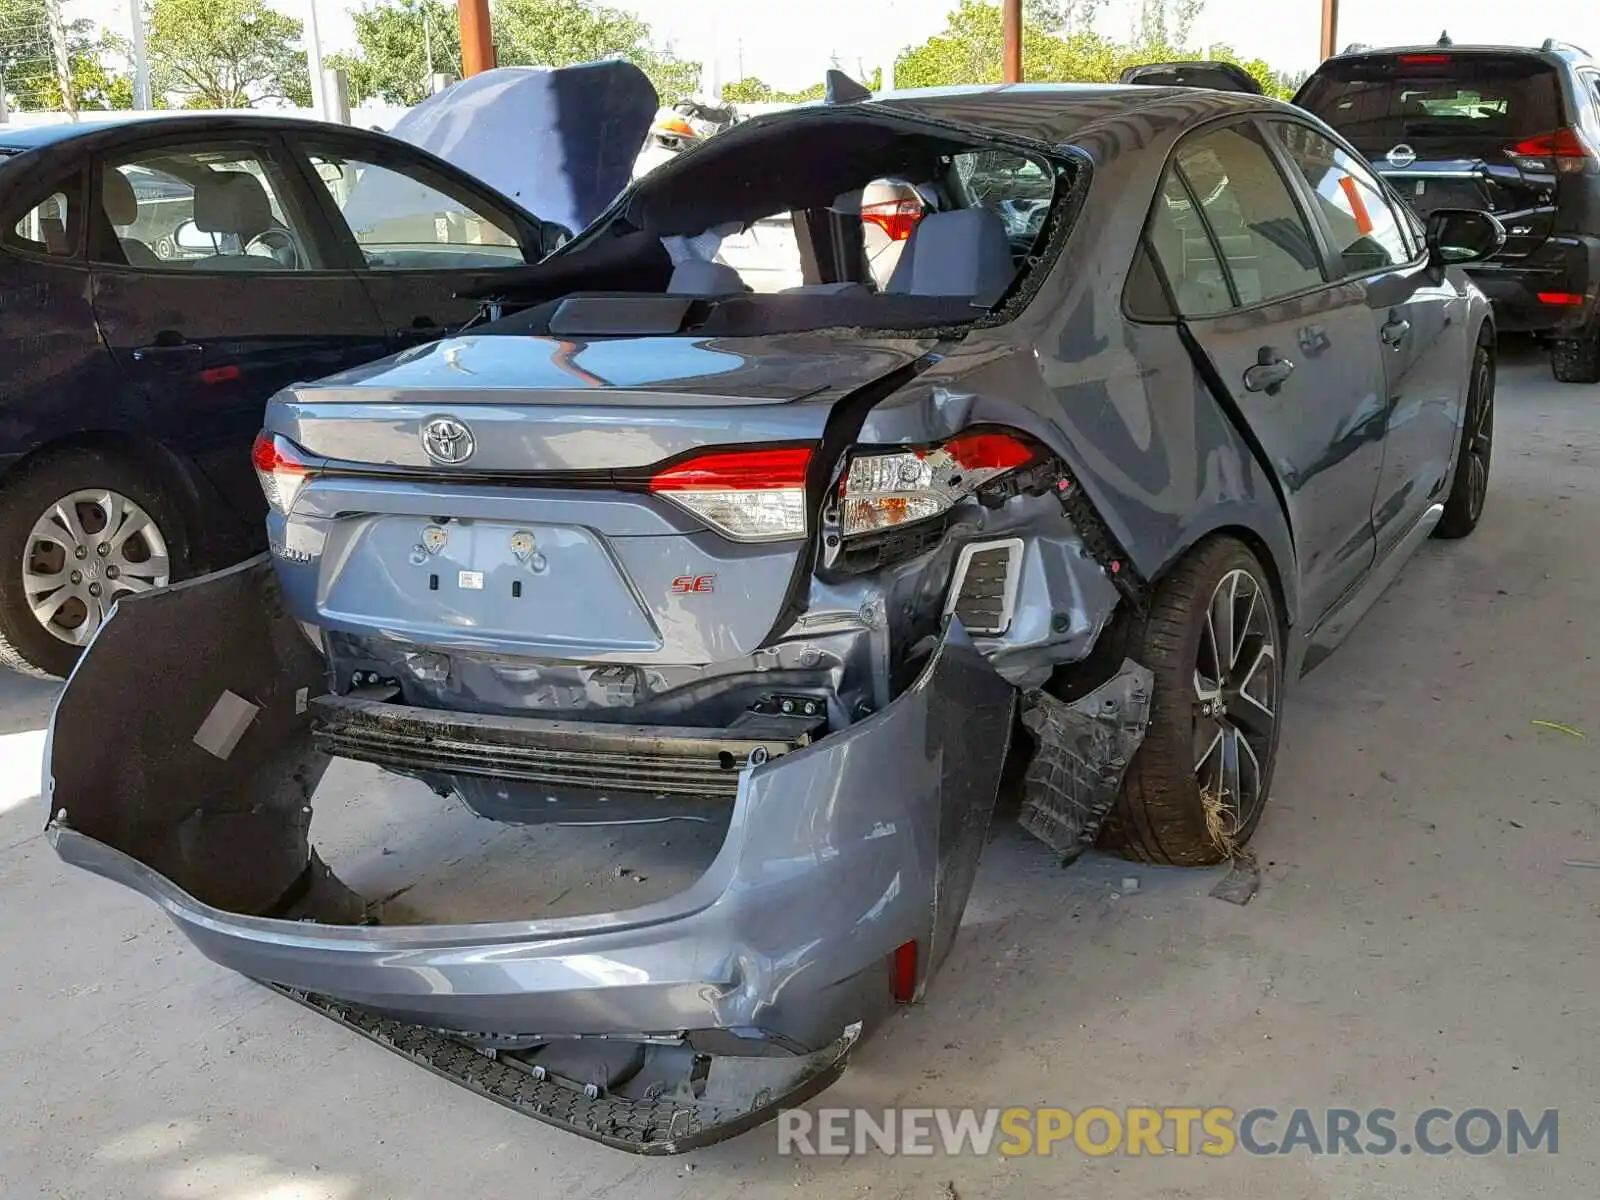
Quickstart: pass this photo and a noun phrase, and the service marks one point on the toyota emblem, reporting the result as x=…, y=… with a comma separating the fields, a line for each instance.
x=447, y=440
x=1401, y=156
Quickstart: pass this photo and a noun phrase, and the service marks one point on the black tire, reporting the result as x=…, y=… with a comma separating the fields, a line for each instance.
x=1469, y=482
x=1575, y=358
x=25, y=644
x=1161, y=815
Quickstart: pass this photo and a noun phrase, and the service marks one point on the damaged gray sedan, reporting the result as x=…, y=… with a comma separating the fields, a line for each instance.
x=1162, y=389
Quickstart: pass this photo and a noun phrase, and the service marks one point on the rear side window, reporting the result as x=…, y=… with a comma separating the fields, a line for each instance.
x=1222, y=188
x=1378, y=102
x=1364, y=226
x=51, y=225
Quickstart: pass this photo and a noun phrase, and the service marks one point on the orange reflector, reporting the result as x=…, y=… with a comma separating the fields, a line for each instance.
x=903, y=968
x=1560, y=298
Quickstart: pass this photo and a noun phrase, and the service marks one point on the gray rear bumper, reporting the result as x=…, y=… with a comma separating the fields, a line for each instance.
x=837, y=854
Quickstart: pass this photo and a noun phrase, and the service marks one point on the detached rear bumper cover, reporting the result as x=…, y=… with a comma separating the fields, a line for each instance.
x=836, y=854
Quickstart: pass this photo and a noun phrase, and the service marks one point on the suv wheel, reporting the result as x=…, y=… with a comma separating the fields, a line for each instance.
x=1576, y=359
x=1197, y=786
x=77, y=532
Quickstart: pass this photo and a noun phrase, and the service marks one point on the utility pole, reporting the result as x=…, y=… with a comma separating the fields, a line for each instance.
x=1330, y=28
x=319, y=89
x=427, y=45
x=141, y=60
x=477, y=37
x=1011, y=11
x=58, y=41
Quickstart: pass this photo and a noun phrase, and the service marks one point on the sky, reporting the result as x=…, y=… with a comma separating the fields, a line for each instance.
x=789, y=43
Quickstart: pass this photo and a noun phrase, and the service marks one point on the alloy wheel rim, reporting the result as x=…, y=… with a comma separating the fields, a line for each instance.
x=1236, y=700
x=87, y=549
x=1480, y=443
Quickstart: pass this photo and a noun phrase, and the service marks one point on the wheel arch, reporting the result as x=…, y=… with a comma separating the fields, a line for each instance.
x=1274, y=550
x=165, y=468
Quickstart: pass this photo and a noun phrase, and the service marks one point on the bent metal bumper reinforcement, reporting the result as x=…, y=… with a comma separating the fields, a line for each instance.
x=726, y=1095
x=653, y=760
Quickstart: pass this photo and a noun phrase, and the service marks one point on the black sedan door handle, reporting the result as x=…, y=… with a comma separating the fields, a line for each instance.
x=171, y=350
x=1394, y=332
x=1269, y=374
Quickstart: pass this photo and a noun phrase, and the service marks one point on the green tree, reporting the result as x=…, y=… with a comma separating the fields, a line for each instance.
x=226, y=53
x=756, y=91
x=396, y=39
x=559, y=33
x=28, y=72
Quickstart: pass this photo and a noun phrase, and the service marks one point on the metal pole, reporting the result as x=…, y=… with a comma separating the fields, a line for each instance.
x=141, y=61
x=336, y=88
x=319, y=94
x=1330, y=28
x=1012, y=23
x=477, y=37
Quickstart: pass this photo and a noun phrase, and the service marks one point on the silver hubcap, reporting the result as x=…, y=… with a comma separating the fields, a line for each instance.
x=85, y=551
x=1236, y=699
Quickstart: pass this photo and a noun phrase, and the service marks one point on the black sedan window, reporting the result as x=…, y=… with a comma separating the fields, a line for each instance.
x=49, y=226
x=1366, y=229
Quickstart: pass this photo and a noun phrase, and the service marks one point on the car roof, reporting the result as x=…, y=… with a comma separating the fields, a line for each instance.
x=1553, y=52
x=1054, y=112
x=34, y=137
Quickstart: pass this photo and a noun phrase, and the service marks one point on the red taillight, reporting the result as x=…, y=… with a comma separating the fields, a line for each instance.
x=1562, y=298
x=750, y=495
x=1565, y=150
x=882, y=490
x=897, y=218
x=989, y=451
x=1424, y=60
x=676, y=126
x=280, y=469
x=736, y=470
x=903, y=972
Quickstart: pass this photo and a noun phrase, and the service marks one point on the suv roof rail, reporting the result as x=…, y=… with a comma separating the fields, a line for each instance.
x=1553, y=45
x=1355, y=48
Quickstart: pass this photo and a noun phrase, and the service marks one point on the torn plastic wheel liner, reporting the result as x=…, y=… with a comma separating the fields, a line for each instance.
x=847, y=862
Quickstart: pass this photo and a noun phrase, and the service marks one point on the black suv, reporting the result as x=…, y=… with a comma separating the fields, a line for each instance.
x=1515, y=131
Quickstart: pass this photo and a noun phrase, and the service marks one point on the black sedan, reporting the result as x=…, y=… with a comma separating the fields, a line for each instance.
x=162, y=277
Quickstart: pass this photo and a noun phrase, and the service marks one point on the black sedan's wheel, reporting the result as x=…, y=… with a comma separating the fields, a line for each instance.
x=1211, y=635
x=76, y=533
x=1469, y=484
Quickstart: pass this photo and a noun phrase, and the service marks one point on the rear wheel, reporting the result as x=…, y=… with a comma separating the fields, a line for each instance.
x=1469, y=485
x=76, y=533
x=1211, y=635
x=1576, y=358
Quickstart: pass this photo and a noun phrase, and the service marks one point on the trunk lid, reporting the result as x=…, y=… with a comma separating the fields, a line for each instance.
x=555, y=535
x=1445, y=128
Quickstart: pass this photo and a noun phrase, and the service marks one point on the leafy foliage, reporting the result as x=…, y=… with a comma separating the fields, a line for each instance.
x=395, y=39
x=1059, y=45
x=756, y=91
x=559, y=33
x=28, y=61
x=226, y=54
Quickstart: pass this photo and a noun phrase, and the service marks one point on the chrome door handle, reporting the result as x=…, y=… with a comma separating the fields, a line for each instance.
x=1269, y=374
x=1395, y=331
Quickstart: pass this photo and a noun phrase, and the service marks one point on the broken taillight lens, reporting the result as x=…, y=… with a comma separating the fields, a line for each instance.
x=897, y=218
x=882, y=491
x=749, y=495
x=1566, y=151
x=281, y=467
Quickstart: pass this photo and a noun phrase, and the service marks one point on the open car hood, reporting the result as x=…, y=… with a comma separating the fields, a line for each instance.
x=559, y=141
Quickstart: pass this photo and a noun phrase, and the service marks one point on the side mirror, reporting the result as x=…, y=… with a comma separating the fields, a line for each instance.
x=188, y=237
x=1463, y=235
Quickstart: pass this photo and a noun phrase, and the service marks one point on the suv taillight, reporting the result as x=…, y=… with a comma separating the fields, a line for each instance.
x=281, y=467
x=885, y=490
x=1565, y=150
x=749, y=495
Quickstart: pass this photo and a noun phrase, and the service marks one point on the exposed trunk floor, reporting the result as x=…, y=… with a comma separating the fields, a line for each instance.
x=424, y=860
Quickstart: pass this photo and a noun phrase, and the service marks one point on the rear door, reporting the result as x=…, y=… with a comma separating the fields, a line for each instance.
x=1455, y=129
x=1244, y=270
x=1412, y=310
x=416, y=235
x=214, y=285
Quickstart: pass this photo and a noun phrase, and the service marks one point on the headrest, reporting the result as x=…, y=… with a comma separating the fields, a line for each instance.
x=231, y=202
x=966, y=252
x=117, y=198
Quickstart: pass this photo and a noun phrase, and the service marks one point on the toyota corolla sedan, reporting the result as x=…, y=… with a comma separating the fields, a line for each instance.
x=650, y=546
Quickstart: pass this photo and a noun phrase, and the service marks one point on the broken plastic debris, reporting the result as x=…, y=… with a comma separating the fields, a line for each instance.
x=1241, y=883
x=1560, y=728
x=225, y=724
x=1130, y=884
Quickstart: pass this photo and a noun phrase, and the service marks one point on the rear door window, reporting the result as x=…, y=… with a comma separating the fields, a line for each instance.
x=1364, y=227
x=1229, y=187
x=51, y=225
x=1379, y=101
